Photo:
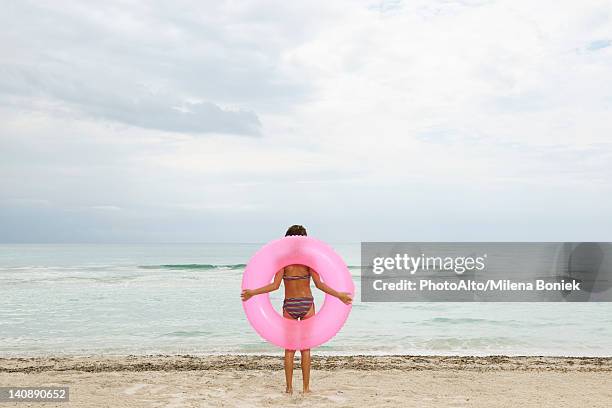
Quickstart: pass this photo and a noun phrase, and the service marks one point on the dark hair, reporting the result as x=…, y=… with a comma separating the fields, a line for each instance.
x=296, y=230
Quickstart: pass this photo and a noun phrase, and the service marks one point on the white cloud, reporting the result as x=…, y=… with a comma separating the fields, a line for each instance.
x=370, y=114
x=106, y=208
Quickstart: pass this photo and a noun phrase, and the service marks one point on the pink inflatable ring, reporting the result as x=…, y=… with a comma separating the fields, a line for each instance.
x=288, y=333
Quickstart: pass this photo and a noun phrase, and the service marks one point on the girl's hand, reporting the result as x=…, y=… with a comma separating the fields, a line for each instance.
x=345, y=298
x=246, y=294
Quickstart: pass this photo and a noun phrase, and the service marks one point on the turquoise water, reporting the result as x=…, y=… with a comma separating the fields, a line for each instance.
x=184, y=298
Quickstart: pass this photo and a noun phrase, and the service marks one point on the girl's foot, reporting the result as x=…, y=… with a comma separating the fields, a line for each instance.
x=289, y=391
x=306, y=391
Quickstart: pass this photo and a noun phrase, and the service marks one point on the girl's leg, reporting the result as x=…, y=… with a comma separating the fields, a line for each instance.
x=305, y=362
x=289, y=354
x=306, y=369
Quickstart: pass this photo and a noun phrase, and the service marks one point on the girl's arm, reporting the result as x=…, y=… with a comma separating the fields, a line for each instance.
x=248, y=293
x=343, y=296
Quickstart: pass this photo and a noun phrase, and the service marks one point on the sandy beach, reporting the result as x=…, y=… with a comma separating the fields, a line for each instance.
x=355, y=381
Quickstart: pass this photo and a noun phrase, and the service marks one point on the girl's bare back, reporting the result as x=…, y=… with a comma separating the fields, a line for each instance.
x=296, y=287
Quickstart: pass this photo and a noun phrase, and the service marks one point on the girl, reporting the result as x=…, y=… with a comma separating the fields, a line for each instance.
x=298, y=304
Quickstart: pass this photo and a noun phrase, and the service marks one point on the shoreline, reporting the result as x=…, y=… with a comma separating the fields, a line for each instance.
x=348, y=381
x=232, y=362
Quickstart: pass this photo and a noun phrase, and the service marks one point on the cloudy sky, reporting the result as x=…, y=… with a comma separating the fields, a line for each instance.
x=198, y=121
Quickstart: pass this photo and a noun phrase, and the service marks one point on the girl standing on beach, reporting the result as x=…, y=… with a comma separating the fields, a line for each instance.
x=298, y=304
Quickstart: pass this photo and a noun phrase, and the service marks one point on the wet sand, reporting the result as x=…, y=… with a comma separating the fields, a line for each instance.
x=348, y=381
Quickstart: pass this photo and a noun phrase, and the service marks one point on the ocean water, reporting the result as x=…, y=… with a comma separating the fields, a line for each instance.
x=185, y=299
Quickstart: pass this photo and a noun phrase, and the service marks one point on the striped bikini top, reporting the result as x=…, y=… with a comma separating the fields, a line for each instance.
x=298, y=277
